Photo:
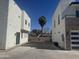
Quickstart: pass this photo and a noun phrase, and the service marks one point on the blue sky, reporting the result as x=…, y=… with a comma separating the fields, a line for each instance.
x=37, y=8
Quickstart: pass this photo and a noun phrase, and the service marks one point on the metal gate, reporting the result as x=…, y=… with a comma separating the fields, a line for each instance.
x=74, y=36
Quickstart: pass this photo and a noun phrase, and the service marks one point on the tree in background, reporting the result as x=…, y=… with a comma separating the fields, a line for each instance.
x=42, y=22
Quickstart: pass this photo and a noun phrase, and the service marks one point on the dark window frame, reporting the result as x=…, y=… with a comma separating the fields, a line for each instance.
x=26, y=22
x=62, y=36
x=58, y=19
x=77, y=13
x=54, y=24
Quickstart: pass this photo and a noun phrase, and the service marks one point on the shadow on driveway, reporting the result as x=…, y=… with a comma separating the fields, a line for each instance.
x=42, y=45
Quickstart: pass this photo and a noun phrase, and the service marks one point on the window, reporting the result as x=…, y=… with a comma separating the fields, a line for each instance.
x=62, y=37
x=77, y=13
x=21, y=35
x=26, y=22
x=58, y=32
x=18, y=16
x=54, y=24
x=58, y=19
x=25, y=35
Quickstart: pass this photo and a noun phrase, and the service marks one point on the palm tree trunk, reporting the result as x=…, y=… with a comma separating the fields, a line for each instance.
x=42, y=31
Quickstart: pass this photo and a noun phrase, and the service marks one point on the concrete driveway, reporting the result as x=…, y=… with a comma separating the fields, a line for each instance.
x=31, y=51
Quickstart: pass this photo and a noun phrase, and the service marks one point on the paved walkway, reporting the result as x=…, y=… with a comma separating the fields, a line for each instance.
x=31, y=51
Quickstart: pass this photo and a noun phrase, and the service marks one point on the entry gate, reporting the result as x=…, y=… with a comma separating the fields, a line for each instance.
x=74, y=37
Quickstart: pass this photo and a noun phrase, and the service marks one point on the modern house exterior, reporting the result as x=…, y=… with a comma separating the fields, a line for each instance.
x=65, y=30
x=14, y=24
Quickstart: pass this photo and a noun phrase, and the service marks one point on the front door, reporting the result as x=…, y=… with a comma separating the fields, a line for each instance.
x=17, y=37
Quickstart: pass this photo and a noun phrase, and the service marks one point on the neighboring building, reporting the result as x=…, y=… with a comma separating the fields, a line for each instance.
x=65, y=29
x=25, y=27
x=14, y=24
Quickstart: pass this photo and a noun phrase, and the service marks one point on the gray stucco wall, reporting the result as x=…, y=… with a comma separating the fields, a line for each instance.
x=11, y=22
x=3, y=22
x=13, y=25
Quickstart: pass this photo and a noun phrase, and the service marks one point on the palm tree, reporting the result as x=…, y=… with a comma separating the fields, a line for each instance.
x=42, y=22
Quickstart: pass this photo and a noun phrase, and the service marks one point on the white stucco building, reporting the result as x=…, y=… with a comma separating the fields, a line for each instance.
x=14, y=24
x=66, y=24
